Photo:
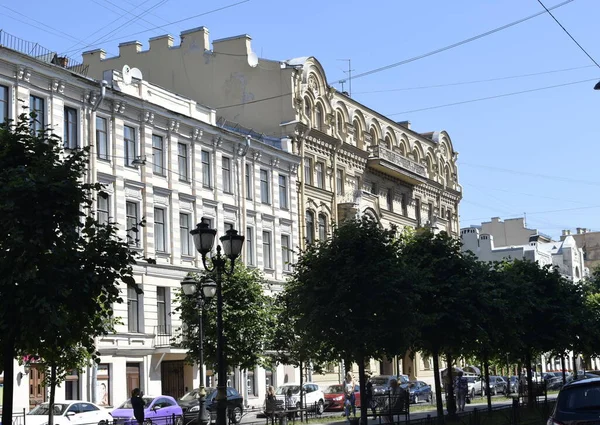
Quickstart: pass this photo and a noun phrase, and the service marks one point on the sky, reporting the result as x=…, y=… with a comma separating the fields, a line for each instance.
x=532, y=154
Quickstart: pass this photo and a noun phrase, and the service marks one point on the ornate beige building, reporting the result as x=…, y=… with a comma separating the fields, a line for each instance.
x=354, y=160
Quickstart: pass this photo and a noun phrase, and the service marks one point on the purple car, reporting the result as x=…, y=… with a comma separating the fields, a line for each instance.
x=159, y=410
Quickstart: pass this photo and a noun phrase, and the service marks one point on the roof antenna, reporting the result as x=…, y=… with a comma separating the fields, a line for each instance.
x=349, y=72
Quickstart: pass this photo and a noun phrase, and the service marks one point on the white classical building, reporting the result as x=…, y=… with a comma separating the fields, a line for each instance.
x=498, y=240
x=162, y=158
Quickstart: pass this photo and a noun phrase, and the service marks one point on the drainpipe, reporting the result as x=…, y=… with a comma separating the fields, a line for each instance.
x=240, y=168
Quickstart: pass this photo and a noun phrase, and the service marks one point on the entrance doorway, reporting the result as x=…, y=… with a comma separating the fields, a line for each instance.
x=172, y=378
x=37, y=391
x=133, y=377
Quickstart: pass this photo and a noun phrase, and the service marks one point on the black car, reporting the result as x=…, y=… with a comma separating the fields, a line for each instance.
x=190, y=405
x=381, y=383
x=578, y=402
x=496, y=385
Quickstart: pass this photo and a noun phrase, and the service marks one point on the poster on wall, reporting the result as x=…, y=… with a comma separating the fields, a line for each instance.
x=103, y=385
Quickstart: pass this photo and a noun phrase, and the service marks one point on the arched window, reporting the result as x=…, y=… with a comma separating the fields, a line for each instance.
x=310, y=227
x=447, y=176
x=357, y=133
x=319, y=117
x=322, y=227
x=340, y=123
x=416, y=156
x=402, y=149
x=373, y=137
x=307, y=108
x=429, y=167
x=388, y=141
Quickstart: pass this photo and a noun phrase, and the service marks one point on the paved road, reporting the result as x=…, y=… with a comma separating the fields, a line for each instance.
x=336, y=418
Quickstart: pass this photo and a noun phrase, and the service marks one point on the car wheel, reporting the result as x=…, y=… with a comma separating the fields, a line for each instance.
x=472, y=393
x=320, y=407
x=495, y=391
x=179, y=420
x=102, y=423
x=148, y=421
x=236, y=415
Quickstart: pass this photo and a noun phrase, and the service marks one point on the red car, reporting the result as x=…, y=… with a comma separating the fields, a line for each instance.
x=334, y=397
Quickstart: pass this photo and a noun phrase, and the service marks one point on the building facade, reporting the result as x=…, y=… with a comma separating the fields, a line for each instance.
x=163, y=160
x=589, y=242
x=354, y=160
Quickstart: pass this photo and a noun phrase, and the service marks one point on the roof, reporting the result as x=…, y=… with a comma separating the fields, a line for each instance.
x=297, y=61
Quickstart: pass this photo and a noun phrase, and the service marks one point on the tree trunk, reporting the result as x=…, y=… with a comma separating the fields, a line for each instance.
x=301, y=392
x=364, y=412
x=486, y=372
x=8, y=357
x=530, y=400
x=574, y=366
x=564, y=373
x=450, y=399
x=52, y=394
x=438, y=386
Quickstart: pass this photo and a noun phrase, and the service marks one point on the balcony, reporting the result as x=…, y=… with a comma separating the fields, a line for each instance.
x=395, y=165
x=166, y=337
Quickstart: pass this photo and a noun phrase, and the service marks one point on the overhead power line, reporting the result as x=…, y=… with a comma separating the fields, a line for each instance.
x=463, y=102
x=568, y=33
x=451, y=46
x=462, y=83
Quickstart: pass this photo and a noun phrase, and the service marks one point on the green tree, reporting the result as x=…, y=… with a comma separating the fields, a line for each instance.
x=247, y=315
x=60, y=269
x=348, y=295
x=444, y=285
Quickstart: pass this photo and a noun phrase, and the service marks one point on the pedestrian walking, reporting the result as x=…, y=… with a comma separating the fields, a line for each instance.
x=462, y=388
x=270, y=404
x=137, y=404
x=369, y=397
x=396, y=401
x=350, y=396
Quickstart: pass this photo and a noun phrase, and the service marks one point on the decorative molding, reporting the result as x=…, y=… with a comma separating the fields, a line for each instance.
x=58, y=85
x=119, y=106
x=275, y=162
x=148, y=117
x=174, y=126
x=23, y=73
x=92, y=97
x=161, y=199
x=217, y=141
x=256, y=155
x=131, y=192
x=197, y=134
x=293, y=169
x=187, y=206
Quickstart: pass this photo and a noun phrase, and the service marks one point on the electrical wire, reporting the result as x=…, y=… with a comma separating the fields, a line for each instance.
x=29, y=18
x=463, y=102
x=451, y=46
x=172, y=23
x=568, y=33
x=532, y=213
x=462, y=83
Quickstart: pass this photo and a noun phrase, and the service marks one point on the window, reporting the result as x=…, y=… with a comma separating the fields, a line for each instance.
x=283, y=192
x=249, y=185
x=267, y=260
x=430, y=213
x=339, y=181
x=4, y=105
x=160, y=230
x=404, y=205
x=249, y=246
x=185, y=223
x=71, y=134
x=373, y=188
x=102, y=138
x=286, y=253
x=340, y=124
x=308, y=176
x=418, y=212
x=103, y=207
x=133, y=310
x=132, y=224
x=161, y=309
x=158, y=155
x=36, y=107
x=264, y=187
x=206, y=173
x=307, y=110
x=182, y=162
x=320, y=170
x=319, y=117
x=310, y=227
x=322, y=227
x=226, y=168
x=389, y=198
x=130, y=146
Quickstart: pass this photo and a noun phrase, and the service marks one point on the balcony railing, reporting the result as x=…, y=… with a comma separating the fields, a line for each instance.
x=390, y=162
x=166, y=336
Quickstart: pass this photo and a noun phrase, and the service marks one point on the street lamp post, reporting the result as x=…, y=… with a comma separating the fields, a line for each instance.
x=204, y=239
x=202, y=293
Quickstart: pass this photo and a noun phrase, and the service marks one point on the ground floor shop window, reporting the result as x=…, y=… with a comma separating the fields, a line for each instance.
x=103, y=385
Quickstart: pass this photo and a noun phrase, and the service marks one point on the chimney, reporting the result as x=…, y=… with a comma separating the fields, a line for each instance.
x=93, y=56
x=237, y=45
x=129, y=47
x=580, y=230
x=195, y=39
x=405, y=124
x=62, y=61
x=161, y=42
x=566, y=232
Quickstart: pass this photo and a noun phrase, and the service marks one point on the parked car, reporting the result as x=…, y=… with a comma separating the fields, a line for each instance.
x=381, y=383
x=582, y=375
x=475, y=386
x=313, y=396
x=191, y=405
x=418, y=391
x=554, y=383
x=157, y=410
x=335, y=398
x=71, y=412
x=578, y=402
x=513, y=384
x=496, y=385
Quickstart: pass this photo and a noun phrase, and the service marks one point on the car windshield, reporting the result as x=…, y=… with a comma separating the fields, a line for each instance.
x=470, y=379
x=579, y=398
x=284, y=389
x=44, y=409
x=412, y=385
x=379, y=381
x=334, y=389
x=403, y=379
x=127, y=404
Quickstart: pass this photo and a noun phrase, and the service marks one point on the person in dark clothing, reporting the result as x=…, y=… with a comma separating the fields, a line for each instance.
x=137, y=405
x=369, y=396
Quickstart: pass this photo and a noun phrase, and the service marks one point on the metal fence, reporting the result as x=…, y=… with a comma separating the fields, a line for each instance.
x=41, y=53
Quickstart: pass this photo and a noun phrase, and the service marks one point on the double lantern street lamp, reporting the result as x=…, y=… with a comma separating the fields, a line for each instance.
x=204, y=239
